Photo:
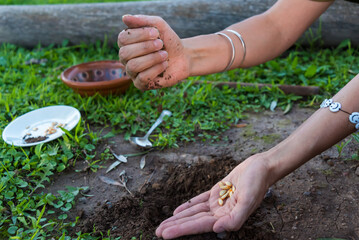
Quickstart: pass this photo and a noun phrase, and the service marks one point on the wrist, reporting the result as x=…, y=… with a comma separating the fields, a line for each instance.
x=206, y=54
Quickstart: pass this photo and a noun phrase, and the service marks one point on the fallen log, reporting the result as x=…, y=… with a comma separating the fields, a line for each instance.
x=287, y=89
x=29, y=25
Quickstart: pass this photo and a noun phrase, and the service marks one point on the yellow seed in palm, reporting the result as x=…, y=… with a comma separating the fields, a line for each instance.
x=233, y=188
x=229, y=184
x=222, y=192
x=221, y=184
x=225, y=195
x=220, y=202
x=230, y=192
x=225, y=187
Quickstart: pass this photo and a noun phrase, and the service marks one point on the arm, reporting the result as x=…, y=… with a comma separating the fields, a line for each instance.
x=266, y=36
x=255, y=175
x=321, y=131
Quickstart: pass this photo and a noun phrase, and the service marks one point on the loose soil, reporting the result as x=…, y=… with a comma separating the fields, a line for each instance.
x=318, y=200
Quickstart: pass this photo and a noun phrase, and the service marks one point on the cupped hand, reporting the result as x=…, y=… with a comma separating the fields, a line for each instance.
x=152, y=52
x=203, y=213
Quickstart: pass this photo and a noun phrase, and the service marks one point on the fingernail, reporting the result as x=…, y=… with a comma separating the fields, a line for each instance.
x=158, y=43
x=153, y=33
x=126, y=15
x=165, y=64
x=163, y=54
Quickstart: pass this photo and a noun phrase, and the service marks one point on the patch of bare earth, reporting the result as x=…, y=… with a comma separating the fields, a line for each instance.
x=318, y=200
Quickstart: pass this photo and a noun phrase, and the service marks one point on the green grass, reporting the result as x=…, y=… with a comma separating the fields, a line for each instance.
x=36, y=2
x=200, y=113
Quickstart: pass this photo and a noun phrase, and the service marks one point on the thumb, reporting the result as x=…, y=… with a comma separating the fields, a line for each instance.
x=137, y=21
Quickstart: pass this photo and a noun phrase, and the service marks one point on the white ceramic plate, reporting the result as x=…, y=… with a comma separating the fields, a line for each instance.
x=35, y=123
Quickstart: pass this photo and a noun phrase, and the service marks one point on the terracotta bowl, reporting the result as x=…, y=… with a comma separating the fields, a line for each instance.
x=104, y=77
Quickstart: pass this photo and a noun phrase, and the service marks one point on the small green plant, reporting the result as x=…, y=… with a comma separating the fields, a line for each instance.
x=341, y=146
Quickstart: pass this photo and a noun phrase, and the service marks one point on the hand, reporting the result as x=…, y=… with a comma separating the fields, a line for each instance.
x=152, y=52
x=203, y=213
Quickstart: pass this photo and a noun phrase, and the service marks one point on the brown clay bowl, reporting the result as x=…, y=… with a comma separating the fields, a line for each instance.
x=104, y=77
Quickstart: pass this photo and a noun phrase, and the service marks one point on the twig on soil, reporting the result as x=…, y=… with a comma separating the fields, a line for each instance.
x=113, y=182
x=273, y=229
x=148, y=180
x=287, y=89
x=123, y=180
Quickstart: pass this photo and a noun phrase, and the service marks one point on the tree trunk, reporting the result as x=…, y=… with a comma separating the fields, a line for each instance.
x=29, y=25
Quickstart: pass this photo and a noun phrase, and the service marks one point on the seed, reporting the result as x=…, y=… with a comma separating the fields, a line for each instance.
x=54, y=123
x=220, y=202
x=225, y=187
x=28, y=134
x=225, y=195
x=35, y=129
x=230, y=192
x=221, y=185
x=229, y=184
x=222, y=192
x=233, y=188
x=52, y=131
x=27, y=127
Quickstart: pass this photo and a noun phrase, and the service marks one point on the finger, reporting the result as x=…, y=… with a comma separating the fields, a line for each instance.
x=172, y=222
x=139, y=49
x=145, y=80
x=203, y=197
x=201, y=207
x=142, y=63
x=129, y=36
x=188, y=226
x=137, y=21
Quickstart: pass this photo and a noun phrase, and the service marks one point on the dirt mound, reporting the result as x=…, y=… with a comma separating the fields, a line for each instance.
x=139, y=216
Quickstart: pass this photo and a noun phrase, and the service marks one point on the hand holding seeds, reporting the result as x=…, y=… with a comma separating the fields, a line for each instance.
x=223, y=208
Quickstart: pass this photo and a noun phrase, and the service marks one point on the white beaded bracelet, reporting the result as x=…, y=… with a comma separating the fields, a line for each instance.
x=336, y=106
x=233, y=50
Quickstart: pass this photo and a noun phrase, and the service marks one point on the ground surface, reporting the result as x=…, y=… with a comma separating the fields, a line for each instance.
x=318, y=200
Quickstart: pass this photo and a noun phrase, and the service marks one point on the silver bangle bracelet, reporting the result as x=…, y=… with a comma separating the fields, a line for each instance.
x=233, y=50
x=336, y=107
x=242, y=41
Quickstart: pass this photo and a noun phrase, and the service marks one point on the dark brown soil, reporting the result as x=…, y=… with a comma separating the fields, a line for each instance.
x=318, y=200
x=34, y=139
x=139, y=216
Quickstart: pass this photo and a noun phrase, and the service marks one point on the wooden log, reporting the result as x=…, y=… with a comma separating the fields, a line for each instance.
x=46, y=24
x=287, y=89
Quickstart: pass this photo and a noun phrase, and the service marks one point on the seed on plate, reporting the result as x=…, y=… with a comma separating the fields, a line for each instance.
x=222, y=192
x=35, y=129
x=220, y=202
x=27, y=127
x=51, y=131
x=28, y=134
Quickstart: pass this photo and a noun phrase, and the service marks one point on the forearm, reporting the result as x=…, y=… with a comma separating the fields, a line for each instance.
x=321, y=131
x=266, y=36
x=212, y=53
